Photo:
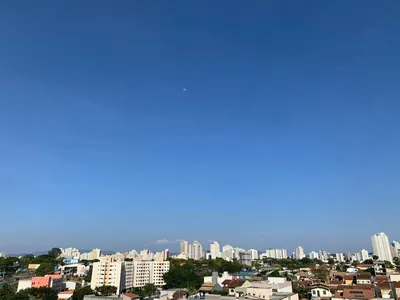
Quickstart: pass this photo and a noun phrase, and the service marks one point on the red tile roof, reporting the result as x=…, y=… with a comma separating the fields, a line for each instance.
x=236, y=283
x=132, y=295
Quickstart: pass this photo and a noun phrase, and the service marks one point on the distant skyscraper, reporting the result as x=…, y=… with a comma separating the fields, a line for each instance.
x=300, y=252
x=276, y=253
x=215, y=250
x=340, y=257
x=184, y=247
x=253, y=254
x=364, y=255
x=197, y=249
x=314, y=255
x=227, y=252
x=323, y=255
x=396, y=246
x=381, y=246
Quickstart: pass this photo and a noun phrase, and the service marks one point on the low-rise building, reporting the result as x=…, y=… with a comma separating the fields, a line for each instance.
x=52, y=281
x=218, y=279
x=209, y=287
x=72, y=285
x=321, y=291
x=65, y=295
x=363, y=278
x=33, y=266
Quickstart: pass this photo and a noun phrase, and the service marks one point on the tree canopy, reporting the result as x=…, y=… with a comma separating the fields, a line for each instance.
x=105, y=290
x=55, y=252
x=79, y=294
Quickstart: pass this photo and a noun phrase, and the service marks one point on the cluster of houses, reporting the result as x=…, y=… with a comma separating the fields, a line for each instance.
x=357, y=284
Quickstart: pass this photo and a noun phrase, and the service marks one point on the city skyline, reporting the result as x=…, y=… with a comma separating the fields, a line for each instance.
x=177, y=245
x=261, y=124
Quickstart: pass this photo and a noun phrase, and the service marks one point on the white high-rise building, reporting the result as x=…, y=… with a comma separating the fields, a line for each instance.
x=314, y=255
x=196, y=251
x=95, y=254
x=381, y=247
x=396, y=246
x=253, y=253
x=323, y=255
x=276, y=253
x=227, y=252
x=215, y=250
x=108, y=272
x=184, y=247
x=237, y=251
x=364, y=255
x=70, y=252
x=340, y=257
x=300, y=252
x=145, y=272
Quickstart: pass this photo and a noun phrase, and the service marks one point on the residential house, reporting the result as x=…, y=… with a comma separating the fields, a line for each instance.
x=349, y=279
x=363, y=278
x=321, y=291
x=233, y=284
x=217, y=279
x=65, y=295
x=381, y=278
x=33, y=266
x=52, y=281
x=359, y=291
x=209, y=287
x=364, y=267
x=130, y=296
x=71, y=285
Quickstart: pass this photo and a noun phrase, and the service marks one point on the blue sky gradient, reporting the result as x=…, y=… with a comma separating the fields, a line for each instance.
x=287, y=134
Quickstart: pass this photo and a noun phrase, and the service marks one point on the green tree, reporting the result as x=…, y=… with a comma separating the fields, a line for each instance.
x=137, y=291
x=25, y=260
x=322, y=273
x=183, y=277
x=7, y=292
x=149, y=289
x=355, y=263
x=368, y=262
x=331, y=261
x=274, y=273
x=55, y=252
x=44, y=293
x=106, y=290
x=44, y=269
x=303, y=291
x=79, y=294
x=370, y=270
x=375, y=257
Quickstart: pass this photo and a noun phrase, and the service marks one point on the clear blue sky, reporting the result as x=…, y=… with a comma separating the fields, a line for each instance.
x=288, y=133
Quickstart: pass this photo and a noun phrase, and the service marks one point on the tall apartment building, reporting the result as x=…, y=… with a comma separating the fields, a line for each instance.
x=364, y=255
x=276, y=253
x=340, y=257
x=95, y=254
x=314, y=255
x=381, y=246
x=253, y=254
x=149, y=272
x=184, y=247
x=215, y=250
x=227, y=252
x=300, y=253
x=108, y=271
x=196, y=251
x=70, y=252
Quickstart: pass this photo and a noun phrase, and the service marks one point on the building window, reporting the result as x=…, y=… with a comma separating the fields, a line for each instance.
x=313, y=292
x=324, y=292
